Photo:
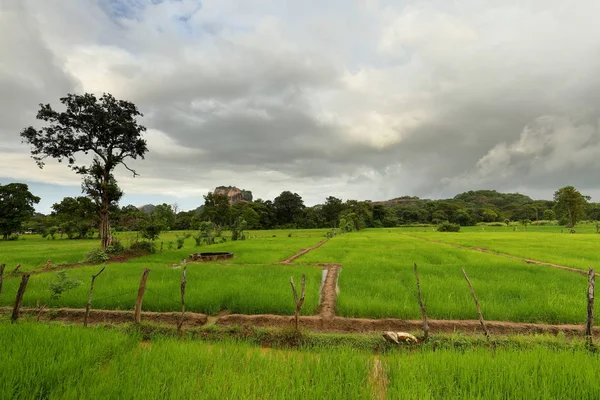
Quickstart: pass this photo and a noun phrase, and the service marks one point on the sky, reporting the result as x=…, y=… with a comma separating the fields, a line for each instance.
x=359, y=99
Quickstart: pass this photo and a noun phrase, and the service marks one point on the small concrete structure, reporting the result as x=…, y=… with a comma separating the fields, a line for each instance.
x=213, y=256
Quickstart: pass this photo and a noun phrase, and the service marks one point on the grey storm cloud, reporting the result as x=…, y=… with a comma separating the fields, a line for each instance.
x=368, y=100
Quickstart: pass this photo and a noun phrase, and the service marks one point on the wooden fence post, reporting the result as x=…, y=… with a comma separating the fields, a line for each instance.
x=1, y=276
x=487, y=334
x=140, y=297
x=423, y=311
x=589, y=326
x=183, y=282
x=299, y=302
x=19, y=299
x=89, y=302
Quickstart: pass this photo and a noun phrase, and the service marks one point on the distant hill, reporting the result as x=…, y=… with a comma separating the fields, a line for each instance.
x=147, y=208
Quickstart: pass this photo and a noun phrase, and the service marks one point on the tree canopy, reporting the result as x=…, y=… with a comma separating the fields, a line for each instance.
x=105, y=128
x=16, y=207
x=570, y=204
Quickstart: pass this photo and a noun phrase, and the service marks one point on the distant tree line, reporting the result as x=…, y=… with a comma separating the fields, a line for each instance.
x=78, y=217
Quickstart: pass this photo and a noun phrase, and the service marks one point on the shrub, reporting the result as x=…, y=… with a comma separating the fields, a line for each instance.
x=116, y=247
x=142, y=246
x=448, y=227
x=97, y=256
x=62, y=284
x=181, y=240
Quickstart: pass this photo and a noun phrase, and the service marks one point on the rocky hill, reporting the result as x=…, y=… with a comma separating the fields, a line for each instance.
x=234, y=194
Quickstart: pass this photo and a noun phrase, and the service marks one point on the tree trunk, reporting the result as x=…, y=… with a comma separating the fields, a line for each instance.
x=105, y=235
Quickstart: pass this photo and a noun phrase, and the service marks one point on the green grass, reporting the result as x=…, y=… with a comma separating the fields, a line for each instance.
x=255, y=289
x=261, y=247
x=538, y=373
x=377, y=281
x=75, y=363
x=70, y=362
x=571, y=250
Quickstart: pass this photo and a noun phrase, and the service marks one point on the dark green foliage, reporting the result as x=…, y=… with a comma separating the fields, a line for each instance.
x=142, y=247
x=570, y=205
x=16, y=206
x=448, y=227
x=288, y=208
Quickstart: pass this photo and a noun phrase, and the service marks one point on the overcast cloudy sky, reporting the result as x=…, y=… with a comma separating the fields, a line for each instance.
x=360, y=99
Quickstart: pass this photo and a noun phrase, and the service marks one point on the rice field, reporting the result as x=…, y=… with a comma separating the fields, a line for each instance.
x=571, y=250
x=96, y=363
x=377, y=281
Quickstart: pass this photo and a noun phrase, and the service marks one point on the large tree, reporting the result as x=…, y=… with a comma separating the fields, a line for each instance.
x=570, y=204
x=75, y=216
x=16, y=206
x=288, y=208
x=105, y=127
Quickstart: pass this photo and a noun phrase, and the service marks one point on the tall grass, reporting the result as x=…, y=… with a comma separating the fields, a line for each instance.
x=39, y=360
x=68, y=362
x=538, y=373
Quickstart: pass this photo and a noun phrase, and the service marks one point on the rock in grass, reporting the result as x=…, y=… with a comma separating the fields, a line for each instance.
x=399, y=337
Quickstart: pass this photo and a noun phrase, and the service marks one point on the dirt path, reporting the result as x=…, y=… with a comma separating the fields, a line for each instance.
x=363, y=325
x=329, y=291
x=302, y=252
x=110, y=316
x=312, y=323
x=483, y=250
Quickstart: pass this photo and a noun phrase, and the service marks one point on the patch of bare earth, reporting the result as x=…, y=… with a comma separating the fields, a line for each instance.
x=329, y=291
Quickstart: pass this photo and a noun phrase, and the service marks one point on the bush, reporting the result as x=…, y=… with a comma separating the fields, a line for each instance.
x=62, y=284
x=181, y=240
x=97, y=256
x=116, y=247
x=142, y=246
x=448, y=227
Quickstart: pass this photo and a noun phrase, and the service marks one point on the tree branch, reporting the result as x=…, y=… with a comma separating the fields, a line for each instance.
x=131, y=170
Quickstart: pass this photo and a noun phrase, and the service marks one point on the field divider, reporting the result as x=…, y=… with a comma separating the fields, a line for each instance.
x=302, y=252
x=313, y=322
x=495, y=253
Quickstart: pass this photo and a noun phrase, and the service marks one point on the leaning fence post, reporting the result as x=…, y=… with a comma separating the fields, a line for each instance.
x=423, y=311
x=485, y=331
x=89, y=302
x=1, y=276
x=19, y=299
x=183, y=282
x=299, y=302
x=589, y=326
x=140, y=297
